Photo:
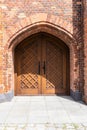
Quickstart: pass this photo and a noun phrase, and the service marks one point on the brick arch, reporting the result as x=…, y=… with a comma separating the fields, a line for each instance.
x=50, y=28
x=55, y=31
x=35, y=18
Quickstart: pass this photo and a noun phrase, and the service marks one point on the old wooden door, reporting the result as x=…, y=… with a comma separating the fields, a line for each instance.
x=40, y=66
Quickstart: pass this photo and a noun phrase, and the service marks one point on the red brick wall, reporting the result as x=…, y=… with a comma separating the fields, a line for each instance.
x=85, y=50
x=1, y=58
x=66, y=15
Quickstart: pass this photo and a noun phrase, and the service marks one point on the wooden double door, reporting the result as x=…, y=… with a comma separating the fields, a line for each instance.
x=41, y=66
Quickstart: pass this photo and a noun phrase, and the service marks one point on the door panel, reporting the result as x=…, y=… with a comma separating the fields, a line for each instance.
x=40, y=67
x=54, y=78
x=27, y=71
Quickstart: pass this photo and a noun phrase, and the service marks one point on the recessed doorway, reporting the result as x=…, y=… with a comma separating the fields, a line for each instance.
x=41, y=66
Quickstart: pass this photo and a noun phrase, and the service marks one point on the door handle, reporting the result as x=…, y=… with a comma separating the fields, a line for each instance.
x=44, y=67
x=39, y=67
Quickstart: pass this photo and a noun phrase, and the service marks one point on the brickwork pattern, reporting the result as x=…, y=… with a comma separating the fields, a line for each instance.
x=1, y=38
x=19, y=16
x=78, y=35
x=85, y=50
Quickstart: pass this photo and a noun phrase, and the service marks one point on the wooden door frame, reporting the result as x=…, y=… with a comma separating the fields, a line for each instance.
x=68, y=72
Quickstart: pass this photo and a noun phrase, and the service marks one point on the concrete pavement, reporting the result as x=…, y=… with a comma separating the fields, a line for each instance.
x=43, y=113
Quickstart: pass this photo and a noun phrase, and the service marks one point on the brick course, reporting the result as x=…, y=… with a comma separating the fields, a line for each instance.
x=63, y=19
x=85, y=50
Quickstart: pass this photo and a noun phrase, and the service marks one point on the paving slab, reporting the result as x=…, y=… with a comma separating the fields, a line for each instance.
x=43, y=113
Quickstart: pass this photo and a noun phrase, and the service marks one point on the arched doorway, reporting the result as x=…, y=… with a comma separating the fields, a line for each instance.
x=41, y=66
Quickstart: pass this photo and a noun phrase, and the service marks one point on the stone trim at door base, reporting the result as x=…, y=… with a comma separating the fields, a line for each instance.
x=6, y=96
x=76, y=95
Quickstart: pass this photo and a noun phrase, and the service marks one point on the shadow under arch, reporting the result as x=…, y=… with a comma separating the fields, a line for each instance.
x=52, y=29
